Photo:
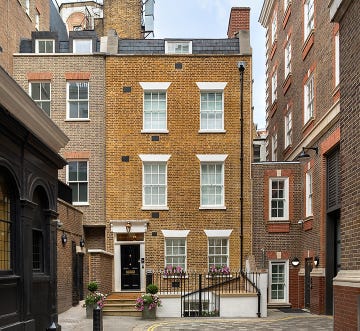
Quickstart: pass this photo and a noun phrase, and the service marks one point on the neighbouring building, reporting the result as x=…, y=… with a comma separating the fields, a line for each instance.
x=68, y=82
x=30, y=16
x=347, y=281
x=259, y=145
x=173, y=154
x=302, y=116
x=29, y=163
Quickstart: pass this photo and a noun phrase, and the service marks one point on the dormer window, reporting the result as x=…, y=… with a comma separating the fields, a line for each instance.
x=178, y=47
x=82, y=46
x=44, y=46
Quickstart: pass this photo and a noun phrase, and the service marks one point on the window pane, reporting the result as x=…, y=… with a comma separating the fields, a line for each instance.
x=35, y=91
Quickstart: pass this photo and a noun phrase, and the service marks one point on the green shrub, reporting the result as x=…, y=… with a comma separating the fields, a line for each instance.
x=152, y=289
x=93, y=286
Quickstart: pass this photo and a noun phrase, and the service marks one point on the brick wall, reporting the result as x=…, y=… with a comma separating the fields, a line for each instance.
x=12, y=30
x=87, y=138
x=183, y=142
x=346, y=307
x=100, y=270
x=239, y=20
x=290, y=90
x=71, y=218
x=124, y=17
x=317, y=300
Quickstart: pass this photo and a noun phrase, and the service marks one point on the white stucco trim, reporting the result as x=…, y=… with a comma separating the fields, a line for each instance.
x=155, y=86
x=347, y=278
x=100, y=251
x=154, y=157
x=211, y=86
x=212, y=157
x=137, y=226
x=218, y=233
x=175, y=233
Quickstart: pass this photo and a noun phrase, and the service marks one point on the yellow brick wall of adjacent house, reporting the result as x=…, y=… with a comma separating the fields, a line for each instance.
x=124, y=16
x=124, y=120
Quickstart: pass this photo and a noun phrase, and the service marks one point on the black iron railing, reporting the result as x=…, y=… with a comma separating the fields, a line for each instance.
x=200, y=293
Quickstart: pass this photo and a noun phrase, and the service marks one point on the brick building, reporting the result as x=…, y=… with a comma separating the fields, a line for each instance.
x=302, y=114
x=172, y=164
x=346, y=283
x=30, y=16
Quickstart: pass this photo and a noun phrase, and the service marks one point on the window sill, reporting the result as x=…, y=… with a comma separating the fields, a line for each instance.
x=154, y=131
x=154, y=208
x=184, y=276
x=81, y=204
x=212, y=131
x=212, y=207
x=308, y=44
x=219, y=276
x=77, y=120
x=308, y=123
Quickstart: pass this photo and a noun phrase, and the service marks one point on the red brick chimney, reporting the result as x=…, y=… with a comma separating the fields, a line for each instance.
x=239, y=20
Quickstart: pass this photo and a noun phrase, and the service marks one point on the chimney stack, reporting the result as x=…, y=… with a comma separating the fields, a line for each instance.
x=239, y=20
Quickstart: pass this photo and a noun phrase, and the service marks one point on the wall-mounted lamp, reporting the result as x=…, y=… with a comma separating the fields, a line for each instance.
x=128, y=227
x=64, y=238
x=82, y=242
x=303, y=155
x=295, y=262
x=316, y=261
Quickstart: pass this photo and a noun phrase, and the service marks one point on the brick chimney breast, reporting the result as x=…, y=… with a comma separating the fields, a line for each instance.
x=239, y=20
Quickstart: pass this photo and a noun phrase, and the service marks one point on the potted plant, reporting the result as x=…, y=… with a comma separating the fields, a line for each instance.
x=93, y=299
x=148, y=302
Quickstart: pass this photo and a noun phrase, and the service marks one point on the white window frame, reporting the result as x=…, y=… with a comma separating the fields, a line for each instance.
x=154, y=159
x=285, y=284
x=286, y=4
x=79, y=203
x=309, y=90
x=37, y=20
x=274, y=87
x=207, y=88
x=308, y=17
x=175, y=252
x=40, y=101
x=212, y=160
x=309, y=193
x=178, y=47
x=221, y=255
x=155, y=87
x=274, y=28
x=47, y=51
x=284, y=199
x=27, y=7
x=82, y=46
x=68, y=101
x=337, y=59
x=274, y=147
x=288, y=128
x=287, y=55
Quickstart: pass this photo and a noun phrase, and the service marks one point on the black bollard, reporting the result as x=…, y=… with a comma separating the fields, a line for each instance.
x=97, y=319
x=52, y=327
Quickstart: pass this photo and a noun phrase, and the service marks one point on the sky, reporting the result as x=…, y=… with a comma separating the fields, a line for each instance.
x=209, y=19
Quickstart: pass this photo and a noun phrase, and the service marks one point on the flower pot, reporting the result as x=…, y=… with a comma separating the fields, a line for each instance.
x=90, y=311
x=148, y=314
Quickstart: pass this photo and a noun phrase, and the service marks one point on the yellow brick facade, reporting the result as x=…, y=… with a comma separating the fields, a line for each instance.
x=124, y=121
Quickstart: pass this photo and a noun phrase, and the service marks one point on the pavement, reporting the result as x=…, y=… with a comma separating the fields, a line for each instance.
x=75, y=319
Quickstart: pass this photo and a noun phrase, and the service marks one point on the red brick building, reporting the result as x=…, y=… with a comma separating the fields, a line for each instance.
x=302, y=114
x=347, y=281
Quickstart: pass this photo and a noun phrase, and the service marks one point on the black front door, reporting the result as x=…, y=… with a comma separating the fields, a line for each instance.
x=308, y=268
x=130, y=267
